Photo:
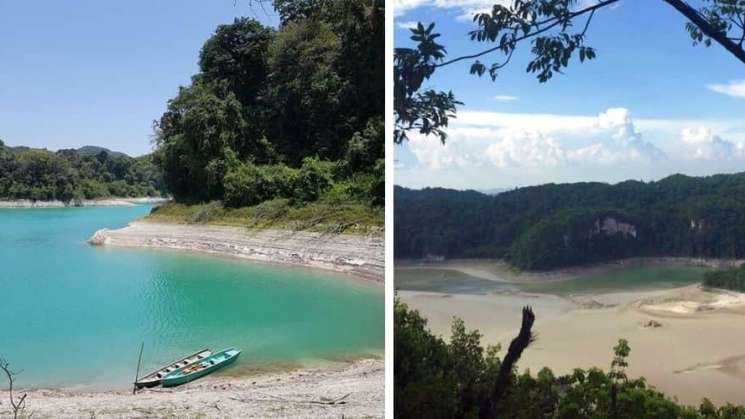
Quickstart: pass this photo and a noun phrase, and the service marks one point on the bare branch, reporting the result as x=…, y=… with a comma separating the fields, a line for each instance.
x=524, y=338
x=17, y=405
x=587, y=24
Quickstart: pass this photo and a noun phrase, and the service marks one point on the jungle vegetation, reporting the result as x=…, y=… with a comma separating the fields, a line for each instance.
x=731, y=279
x=558, y=225
x=291, y=114
x=75, y=175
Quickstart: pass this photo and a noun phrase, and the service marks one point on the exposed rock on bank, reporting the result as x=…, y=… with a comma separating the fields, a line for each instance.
x=361, y=256
x=112, y=202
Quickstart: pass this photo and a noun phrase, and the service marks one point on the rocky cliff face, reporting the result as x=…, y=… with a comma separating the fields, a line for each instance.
x=610, y=226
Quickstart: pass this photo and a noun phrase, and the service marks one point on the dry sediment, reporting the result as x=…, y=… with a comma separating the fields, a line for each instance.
x=361, y=256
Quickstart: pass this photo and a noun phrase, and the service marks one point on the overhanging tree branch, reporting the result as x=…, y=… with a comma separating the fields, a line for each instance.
x=695, y=17
x=554, y=22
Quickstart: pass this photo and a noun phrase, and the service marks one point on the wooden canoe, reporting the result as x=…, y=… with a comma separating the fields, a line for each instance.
x=201, y=368
x=154, y=378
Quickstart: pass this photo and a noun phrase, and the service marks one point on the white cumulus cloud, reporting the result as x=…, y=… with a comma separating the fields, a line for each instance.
x=431, y=153
x=708, y=146
x=534, y=140
x=525, y=148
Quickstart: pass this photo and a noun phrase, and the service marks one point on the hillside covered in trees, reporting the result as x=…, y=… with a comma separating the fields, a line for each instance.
x=292, y=115
x=557, y=225
x=75, y=175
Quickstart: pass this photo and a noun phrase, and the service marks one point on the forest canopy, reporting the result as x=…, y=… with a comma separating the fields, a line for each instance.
x=292, y=113
x=74, y=175
x=557, y=225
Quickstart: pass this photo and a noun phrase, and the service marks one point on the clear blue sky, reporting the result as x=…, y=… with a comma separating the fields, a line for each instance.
x=650, y=105
x=81, y=72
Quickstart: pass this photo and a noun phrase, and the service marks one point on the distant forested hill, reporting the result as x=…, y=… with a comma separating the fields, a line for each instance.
x=555, y=225
x=68, y=175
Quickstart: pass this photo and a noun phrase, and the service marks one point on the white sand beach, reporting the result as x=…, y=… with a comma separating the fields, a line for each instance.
x=351, y=390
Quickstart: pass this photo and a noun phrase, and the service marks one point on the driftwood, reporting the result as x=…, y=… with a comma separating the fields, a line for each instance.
x=524, y=338
x=16, y=405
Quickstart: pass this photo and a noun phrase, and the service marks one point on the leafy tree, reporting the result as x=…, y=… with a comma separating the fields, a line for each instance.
x=731, y=279
x=314, y=178
x=199, y=129
x=306, y=89
x=249, y=184
x=293, y=113
x=366, y=147
x=236, y=55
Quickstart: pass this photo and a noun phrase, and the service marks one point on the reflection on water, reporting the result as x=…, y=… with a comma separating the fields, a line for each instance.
x=78, y=314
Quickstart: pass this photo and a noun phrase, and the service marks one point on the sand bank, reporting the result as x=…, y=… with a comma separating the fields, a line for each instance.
x=696, y=350
x=361, y=256
x=111, y=202
x=499, y=270
x=347, y=390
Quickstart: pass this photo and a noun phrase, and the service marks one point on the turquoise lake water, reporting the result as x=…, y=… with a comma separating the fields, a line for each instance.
x=74, y=314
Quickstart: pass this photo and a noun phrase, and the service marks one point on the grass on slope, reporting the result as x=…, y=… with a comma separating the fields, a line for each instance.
x=353, y=218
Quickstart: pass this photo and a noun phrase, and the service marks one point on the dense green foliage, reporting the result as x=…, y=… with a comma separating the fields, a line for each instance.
x=322, y=216
x=293, y=113
x=555, y=225
x=731, y=279
x=74, y=175
x=438, y=379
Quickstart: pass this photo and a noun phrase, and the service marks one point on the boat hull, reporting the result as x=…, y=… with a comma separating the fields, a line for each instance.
x=178, y=378
x=153, y=378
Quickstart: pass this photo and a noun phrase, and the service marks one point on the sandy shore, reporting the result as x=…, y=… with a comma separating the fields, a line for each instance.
x=352, y=390
x=498, y=270
x=112, y=202
x=697, y=349
x=361, y=256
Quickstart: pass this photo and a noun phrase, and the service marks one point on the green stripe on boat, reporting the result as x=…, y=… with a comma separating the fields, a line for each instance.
x=199, y=369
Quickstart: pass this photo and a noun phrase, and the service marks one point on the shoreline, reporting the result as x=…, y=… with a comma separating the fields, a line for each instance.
x=498, y=270
x=349, y=389
x=359, y=256
x=107, y=202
